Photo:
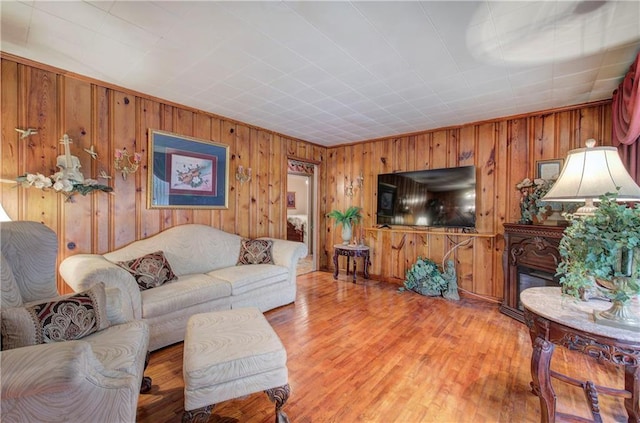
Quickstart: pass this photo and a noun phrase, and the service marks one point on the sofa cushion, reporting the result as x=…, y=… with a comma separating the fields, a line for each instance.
x=255, y=251
x=64, y=319
x=186, y=291
x=247, y=278
x=150, y=270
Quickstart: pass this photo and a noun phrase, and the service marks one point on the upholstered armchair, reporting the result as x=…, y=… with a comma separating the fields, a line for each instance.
x=79, y=357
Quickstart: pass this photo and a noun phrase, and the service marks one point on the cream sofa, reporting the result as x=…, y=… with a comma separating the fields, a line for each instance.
x=204, y=261
x=84, y=377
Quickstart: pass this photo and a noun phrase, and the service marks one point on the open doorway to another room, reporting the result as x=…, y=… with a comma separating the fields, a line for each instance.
x=301, y=200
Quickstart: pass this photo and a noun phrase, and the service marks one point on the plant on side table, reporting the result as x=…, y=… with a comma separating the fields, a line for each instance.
x=347, y=219
x=600, y=254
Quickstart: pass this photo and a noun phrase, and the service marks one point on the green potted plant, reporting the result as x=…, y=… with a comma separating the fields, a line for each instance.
x=602, y=251
x=347, y=219
x=425, y=278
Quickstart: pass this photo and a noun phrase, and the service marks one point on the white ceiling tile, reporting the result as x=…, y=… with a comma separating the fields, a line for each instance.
x=336, y=72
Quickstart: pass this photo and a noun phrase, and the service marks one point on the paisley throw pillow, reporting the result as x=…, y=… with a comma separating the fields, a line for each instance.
x=65, y=319
x=255, y=251
x=150, y=270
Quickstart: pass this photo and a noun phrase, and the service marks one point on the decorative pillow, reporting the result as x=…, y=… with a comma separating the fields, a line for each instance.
x=65, y=319
x=255, y=251
x=150, y=270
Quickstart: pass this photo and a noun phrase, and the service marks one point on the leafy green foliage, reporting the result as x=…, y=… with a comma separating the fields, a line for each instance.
x=425, y=277
x=350, y=216
x=594, y=246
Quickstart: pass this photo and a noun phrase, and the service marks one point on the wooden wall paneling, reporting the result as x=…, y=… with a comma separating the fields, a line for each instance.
x=439, y=149
x=261, y=146
x=277, y=187
x=486, y=151
x=328, y=204
x=77, y=226
x=587, y=128
x=123, y=134
x=40, y=94
x=543, y=139
x=341, y=200
x=103, y=204
x=292, y=147
x=518, y=163
x=356, y=168
x=150, y=118
x=502, y=197
x=246, y=198
x=605, y=118
x=485, y=283
x=501, y=188
x=422, y=151
x=400, y=154
x=10, y=162
x=369, y=186
x=228, y=216
x=565, y=136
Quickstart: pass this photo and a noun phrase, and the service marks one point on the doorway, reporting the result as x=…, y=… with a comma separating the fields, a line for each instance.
x=301, y=202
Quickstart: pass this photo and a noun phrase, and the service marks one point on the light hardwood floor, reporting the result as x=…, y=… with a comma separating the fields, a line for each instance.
x=367, y=353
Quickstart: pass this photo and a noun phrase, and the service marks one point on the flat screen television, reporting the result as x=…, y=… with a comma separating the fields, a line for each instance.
x=428, y=198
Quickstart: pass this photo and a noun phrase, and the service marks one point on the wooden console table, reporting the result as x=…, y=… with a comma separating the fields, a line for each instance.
x=351, y=251
x=528, y=249
x=556, y=320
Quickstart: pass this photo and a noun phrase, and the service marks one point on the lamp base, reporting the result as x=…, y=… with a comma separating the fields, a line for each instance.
x=618, y=316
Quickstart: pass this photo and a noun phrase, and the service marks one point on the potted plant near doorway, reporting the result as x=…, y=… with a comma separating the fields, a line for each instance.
x=347, y=219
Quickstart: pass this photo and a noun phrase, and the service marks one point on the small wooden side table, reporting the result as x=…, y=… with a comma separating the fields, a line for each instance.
x=351, y=251
x=556, y=320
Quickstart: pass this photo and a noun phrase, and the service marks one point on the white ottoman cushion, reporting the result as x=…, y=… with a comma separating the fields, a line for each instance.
x=230, y=354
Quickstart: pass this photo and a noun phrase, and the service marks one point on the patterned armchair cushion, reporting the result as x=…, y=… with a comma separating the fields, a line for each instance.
x=63, y=319
x=255, y=251
x=150, y=270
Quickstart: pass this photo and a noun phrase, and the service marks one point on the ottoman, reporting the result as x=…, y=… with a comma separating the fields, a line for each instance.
x=229, y=354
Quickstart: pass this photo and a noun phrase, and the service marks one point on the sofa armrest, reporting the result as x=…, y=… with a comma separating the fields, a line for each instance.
x=287, y=253
x=82, y=271
x=53, y=368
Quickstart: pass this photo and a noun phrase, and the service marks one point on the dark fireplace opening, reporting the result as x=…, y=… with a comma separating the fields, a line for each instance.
x=530, y=278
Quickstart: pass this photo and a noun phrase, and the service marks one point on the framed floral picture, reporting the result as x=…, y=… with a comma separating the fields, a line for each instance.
x=291, y=200
x=185, y=172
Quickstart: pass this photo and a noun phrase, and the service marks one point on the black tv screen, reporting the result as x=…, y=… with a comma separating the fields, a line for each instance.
x=428, y=198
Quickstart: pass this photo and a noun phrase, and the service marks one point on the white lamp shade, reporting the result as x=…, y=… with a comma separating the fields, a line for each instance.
x=591, y=172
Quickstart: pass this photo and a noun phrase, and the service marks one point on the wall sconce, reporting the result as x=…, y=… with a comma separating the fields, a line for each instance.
x=124, y=164
x=243, y=175
x=349, y=186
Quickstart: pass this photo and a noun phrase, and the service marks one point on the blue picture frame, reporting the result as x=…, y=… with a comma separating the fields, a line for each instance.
x=186, y=173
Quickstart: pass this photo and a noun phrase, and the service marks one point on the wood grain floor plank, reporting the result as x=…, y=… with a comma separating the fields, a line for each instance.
x=367, y=353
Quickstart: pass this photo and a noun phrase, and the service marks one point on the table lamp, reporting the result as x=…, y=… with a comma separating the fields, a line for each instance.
x=589, y=173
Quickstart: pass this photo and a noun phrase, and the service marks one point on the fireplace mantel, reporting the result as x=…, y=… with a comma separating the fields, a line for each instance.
x=531, y=248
